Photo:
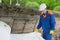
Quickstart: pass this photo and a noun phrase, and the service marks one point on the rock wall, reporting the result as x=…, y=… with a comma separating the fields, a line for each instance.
x=21, y=25
x=21, y=20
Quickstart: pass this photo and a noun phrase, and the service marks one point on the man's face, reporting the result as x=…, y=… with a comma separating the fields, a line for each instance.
x=43, y=11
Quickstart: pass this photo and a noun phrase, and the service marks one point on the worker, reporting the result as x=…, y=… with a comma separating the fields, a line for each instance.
x=46, y=21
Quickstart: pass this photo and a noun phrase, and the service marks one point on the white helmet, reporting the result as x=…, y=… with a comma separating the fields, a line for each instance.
x=42, y=7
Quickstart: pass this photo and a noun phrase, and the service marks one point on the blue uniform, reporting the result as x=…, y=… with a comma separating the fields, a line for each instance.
x=47, y=24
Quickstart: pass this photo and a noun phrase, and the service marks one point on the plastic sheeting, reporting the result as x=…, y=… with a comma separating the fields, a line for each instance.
x=5, y=34
x=28, y=36
x=4, y=31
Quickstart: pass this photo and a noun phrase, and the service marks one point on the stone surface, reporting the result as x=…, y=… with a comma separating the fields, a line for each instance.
x=57, y=23
x=18, y=26
x=8, y=20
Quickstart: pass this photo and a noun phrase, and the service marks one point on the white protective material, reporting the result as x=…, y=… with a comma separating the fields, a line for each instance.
x=4, y=31
x=28, y=36
x=42, y=7
x=5, y=34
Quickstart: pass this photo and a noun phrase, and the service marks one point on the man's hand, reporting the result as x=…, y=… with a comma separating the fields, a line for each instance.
x=36, y=30
x=51, y=31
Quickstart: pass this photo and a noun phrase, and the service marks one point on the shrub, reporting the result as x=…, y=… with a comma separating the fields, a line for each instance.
x=57, y=8
x=32, y=4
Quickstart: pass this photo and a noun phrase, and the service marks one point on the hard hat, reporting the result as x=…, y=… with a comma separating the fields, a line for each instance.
x=42, y=7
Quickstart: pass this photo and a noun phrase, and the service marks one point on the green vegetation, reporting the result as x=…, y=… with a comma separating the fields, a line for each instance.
x=31, y=4
x=57, y=8
x=5, y=1
x=51, y=4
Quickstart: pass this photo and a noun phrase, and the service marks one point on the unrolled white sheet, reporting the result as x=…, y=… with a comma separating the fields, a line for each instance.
x=6, y=35
x=28, y=36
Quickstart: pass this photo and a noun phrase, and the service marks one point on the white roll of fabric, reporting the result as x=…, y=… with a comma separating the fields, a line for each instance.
x=4, y=31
